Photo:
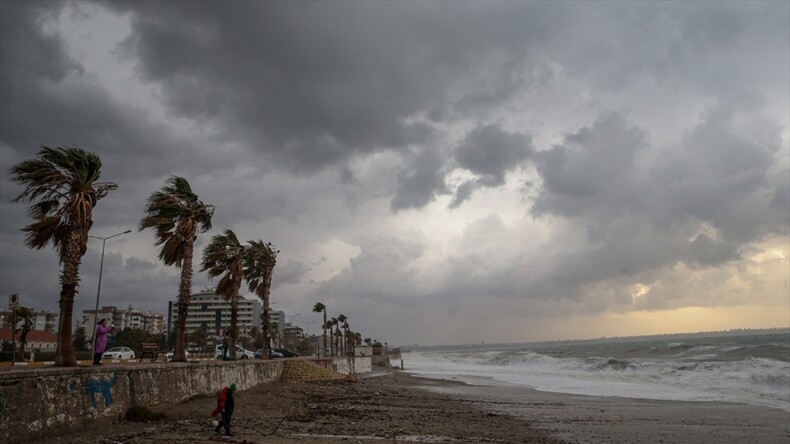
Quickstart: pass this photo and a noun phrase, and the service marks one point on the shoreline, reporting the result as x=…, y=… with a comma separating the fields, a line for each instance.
x=395, y=405
x=614, y=419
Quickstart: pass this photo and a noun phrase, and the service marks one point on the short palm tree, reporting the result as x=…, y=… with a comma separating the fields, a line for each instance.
x=224, y=256
x=321, y=308
x=333, y=334
x=24, y=315
x=275, y=333
x=259, y=261
x=341, y=319
x=64, y=183
x=176, y=214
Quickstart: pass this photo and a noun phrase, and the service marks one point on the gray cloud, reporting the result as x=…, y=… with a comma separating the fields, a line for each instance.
x=489, y=152
x=381, y=145
x=419, y=181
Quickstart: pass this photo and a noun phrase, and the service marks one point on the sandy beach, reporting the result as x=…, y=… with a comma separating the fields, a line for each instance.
x=609, y=419
x=394, y=406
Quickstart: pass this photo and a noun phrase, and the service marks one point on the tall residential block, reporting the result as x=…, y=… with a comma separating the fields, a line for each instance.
x=209, y=312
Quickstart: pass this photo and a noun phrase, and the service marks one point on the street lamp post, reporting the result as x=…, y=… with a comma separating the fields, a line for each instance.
x=309, y=342
x=292, y=318
x=98, y=291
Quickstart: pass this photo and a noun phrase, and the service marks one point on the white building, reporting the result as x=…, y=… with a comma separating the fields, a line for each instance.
x=209, y=312
x=42, y=320
x=153, y=323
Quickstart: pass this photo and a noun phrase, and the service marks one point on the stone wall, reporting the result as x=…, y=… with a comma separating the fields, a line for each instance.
x=349, y=366
x=308, y=370
x=34, y=400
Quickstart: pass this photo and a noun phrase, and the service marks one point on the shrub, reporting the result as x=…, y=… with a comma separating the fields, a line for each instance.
x=139, y=413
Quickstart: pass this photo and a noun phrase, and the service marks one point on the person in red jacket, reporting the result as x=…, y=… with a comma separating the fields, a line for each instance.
x=225, y=405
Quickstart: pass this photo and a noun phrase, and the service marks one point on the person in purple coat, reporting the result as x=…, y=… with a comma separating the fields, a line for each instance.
x=102, y=330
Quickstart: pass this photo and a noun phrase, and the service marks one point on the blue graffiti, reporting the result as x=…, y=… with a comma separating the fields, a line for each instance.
x=94, y=386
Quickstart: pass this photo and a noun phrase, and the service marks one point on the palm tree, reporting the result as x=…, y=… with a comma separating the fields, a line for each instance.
x=64, y=182
x=275, y=332
x=333, y=324
x=341, y=319
x=176, y=213
x=260, y=260
x=224, y=255
x=357, y=338
x=321, y=308
x=26, y=316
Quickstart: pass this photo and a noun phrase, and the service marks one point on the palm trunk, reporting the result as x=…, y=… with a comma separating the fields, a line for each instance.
x=324, y=326
x=333, y=334
x=234, y=314
x=23, y=339
x=69, y=279
x=265, y=328
x=184, y=295
x=265, y=293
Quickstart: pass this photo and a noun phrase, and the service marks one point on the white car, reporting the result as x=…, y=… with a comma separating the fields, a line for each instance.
x=172, y=353
x=241, y=353
x=118, y=353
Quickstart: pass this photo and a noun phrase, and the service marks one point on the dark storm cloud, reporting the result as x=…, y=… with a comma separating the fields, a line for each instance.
x=592, y=173
x=325, y=126
x=489, y=152
x=706, y=251
x=47, y=100
x=420, y=181
x=311, y=83
x=640, y=218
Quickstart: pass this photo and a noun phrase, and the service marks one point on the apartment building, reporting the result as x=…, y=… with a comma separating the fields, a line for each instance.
x=209, y=312
x=122, y=318
x=42, y=320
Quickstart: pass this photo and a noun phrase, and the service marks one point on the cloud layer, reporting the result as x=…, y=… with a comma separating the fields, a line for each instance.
x=423, y=167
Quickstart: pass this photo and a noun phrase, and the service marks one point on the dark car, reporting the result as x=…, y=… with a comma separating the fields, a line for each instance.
x=272, y=354
x=286, y=353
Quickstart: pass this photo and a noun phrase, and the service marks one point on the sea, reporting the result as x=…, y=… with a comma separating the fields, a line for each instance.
x=744, y=368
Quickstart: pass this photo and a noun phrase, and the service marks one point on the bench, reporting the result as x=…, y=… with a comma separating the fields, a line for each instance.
x=152, y=349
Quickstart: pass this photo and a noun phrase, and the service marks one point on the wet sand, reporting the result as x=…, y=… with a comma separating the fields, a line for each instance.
x=600, y=419
x=388, y=408
x=397, y=407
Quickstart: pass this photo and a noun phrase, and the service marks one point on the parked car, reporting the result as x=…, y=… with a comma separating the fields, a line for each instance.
x=118, y=353
x=172, y=353
x=286, y=353
x=241, y=353
x=272, y=354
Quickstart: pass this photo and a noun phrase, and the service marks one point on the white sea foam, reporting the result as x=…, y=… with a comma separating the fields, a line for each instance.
x=649, y=372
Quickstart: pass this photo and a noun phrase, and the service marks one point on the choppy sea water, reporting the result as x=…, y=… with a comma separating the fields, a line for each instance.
x=751, y=369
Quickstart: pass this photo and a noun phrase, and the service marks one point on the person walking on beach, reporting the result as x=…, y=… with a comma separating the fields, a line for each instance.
x=225, y=405
x=102, y=331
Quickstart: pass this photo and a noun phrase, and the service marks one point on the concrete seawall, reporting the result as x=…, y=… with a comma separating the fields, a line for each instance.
x=35, y=400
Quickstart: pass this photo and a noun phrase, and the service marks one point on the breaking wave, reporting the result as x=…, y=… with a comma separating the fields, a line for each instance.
x=748, y=369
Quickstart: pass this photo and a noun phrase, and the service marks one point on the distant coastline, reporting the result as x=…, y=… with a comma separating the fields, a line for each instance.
x=664, y=336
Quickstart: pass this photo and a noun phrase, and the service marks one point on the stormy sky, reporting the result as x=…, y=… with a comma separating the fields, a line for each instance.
x=439, y=172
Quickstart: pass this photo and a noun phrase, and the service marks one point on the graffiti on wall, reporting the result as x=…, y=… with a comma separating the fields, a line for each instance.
x=95, y=387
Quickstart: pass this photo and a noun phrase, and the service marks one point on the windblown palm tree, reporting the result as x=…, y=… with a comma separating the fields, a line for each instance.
x=64, y=182
x=275, y=332
x=24, y=315
x=321, y=308
x=357, y=338
x=224, y=255
x=341, y=319
x=259, y=261
x=333, y=334
x=176, y=213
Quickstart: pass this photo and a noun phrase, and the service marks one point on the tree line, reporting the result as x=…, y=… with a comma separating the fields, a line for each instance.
x=62, y=186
